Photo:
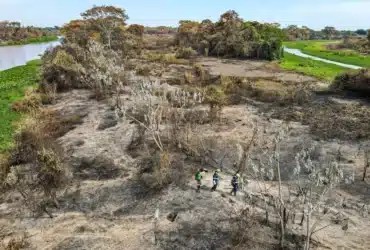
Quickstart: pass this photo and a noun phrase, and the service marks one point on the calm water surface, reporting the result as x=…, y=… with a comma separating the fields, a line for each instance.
x=12, y=56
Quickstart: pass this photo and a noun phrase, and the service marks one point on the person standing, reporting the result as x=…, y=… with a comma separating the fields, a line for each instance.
x=216, y=179
x=235, y=184
x=198, y=178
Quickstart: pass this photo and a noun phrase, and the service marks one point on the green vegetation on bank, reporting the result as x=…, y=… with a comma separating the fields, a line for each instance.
x=321, y=70
x=318, y=48
x=43, y=39
x=231, y=36
x=12, y=85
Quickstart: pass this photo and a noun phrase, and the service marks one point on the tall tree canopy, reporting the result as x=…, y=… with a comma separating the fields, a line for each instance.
x=232, y=36
x=105, y=20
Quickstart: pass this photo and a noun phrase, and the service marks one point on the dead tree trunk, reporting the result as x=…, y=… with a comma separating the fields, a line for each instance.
x=366, y=163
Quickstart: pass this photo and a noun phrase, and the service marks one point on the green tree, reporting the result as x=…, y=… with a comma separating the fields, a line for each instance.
x=329, y=32
x=292, y=32
x=361, y=32
x=306, y=32
x=105, y=20
x=136, y=29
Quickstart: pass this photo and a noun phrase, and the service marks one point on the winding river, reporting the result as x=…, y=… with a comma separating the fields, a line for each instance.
x=297, y=52
x=12, y=56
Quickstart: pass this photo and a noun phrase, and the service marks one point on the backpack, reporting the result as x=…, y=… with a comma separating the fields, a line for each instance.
x=198, y=177
x=216, y=176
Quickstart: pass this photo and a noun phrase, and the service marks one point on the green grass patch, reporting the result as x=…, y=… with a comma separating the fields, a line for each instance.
x=318, y=48
x=12, y=84
x=43, y=39
x=321, y=70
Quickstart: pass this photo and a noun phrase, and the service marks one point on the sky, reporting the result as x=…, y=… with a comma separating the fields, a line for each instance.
x=316, y=14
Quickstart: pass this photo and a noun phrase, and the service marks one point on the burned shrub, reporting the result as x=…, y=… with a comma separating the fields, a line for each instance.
x=355, y=80
x=158, y=171
x=185, y=53
x=216, y=98
x=60, y=68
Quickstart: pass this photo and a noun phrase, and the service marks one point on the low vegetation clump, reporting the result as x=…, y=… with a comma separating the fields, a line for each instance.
x=216, y=99
x=359, y=44
x=270, y=91
x=354, y=80
x=347, y=121
x=31, y=101
x=232, y=36
x=264, y=90
x=143, y=70
x=185, y=53
x=167, y=58
x=16, y=243
x=160, y=174
x=34, y=165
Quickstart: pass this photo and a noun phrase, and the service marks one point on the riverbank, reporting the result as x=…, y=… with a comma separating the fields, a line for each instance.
x=307, y=66
x=12, y=86
x=318, y=48
x=44, y=39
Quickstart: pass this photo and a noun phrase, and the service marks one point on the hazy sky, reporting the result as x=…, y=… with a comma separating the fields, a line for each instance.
x=342, y=14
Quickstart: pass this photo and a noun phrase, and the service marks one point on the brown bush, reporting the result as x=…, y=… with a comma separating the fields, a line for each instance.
x=17, y=243
x=354, y=80
x=188, y=77
x=31, y=101
x=164, y=58
x=34, y=166
x=265, y=91
x=185, y=53
x=4, y=167
x=46, y=99
x=231, y=84
x=143, y=70
x=60, y=68
x=216, y=98
x=199, y=71
x=158, y=173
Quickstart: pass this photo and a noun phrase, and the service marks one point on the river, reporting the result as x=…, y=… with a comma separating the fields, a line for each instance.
x=12, y=56
x=297, y=52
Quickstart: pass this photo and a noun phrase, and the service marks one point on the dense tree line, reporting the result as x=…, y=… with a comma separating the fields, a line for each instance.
x=160, y=30
x=294, y=32
x=232, y=36
x=14, y=31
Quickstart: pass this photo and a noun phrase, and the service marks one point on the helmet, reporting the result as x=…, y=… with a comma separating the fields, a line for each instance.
x=238, y=175
x=218, y=170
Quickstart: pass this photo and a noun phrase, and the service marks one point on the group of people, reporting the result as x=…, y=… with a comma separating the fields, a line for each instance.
x=216, y=180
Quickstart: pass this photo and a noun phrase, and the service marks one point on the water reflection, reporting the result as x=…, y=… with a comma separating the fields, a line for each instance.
x=12, y=56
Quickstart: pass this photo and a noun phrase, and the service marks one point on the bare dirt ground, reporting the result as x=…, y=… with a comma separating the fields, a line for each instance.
x=251, y=69
x=107, y=207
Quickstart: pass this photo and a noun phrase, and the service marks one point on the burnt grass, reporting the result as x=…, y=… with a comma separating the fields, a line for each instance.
x=329, y=120
x=348, y=119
